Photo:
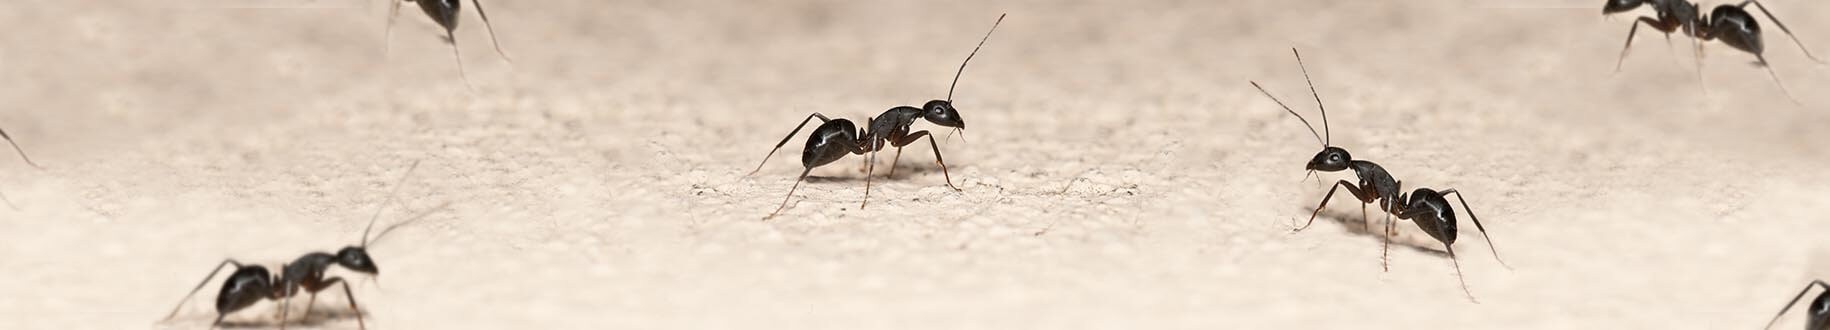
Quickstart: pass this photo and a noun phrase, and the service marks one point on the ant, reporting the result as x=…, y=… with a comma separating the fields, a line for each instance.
x=250, y=284
x=1730, y=23
x=837, y=137
x=1426, y=207
x=28, y=161
x=445, y=13
x=1820, y=308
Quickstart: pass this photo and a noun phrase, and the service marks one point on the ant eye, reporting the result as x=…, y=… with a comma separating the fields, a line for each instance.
x=1334, y=157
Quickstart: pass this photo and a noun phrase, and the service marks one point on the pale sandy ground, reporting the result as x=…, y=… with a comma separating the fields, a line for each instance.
x=1119, y=172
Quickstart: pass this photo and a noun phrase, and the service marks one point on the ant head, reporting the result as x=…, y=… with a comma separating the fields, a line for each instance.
x=357, y=259
x=1331, y=159
x=1617, y=6
x=942, y=113
x=1736, y=28
x=244, y=288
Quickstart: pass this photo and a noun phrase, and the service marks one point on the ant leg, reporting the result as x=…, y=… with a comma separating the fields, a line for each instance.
x=893, y=161
x=1782, y=27
x=778, y=146
x=1477, y=225
x=868, y=169
x=1385, y=251
x=911, y=138
x=28, y=160
x=353, y=308
x=1801, y=295
x=313, y=300
x=797, y=185
x=1632, y=31
x=1351, y=189
x=451, y=39
x=1776, y=81
x=492, y=30
x=1458, y=276
x=387, y=38
x=1364, y=219
x=206, y=280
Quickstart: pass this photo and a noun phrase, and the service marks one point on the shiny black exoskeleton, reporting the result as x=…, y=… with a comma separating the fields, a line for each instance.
x=1817, y=315
x=250, y=284
x=1426, y=207
x=1731, y=24
x=445, y=13
x=835, y=138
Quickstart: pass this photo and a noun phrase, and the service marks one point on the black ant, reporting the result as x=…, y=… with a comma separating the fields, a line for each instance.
x=837, y=137
x=1426, y=207
x=28, y=161
x=1819, y=318
x=250, y=284
x=445, y=13
x=1730, y=23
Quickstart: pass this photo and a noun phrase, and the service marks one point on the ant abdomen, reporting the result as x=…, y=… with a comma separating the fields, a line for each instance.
x=837, y=132
x=1432, y=214
x=1735, y=27
x=247, y=286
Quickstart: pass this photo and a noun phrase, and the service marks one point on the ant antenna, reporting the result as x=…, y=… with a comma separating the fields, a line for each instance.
x=1318, y=98
x=384, y=204
x=975, y=51
x=1318, y=103
x=9, y=140
x=1318, y=136
x=384, y=231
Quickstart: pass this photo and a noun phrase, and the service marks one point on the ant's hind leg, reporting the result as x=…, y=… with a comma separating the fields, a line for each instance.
x=206, y=280
x=1458, y=275
x=778, y=146
x=797, y=185
x=1782, y=27
x=1801, y=295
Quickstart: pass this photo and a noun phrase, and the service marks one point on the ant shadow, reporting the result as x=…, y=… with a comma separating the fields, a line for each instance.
x=320, y=315
x=1374, y=225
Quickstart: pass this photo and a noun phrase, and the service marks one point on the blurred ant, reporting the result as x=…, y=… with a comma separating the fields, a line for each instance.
x=445, y=13
x=1426, y=207
x=250, y=284
x=1730, y=23
x=1818, y=316
x=837, y=137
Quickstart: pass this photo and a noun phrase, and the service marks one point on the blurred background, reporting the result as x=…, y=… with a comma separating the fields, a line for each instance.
x=1119, y=170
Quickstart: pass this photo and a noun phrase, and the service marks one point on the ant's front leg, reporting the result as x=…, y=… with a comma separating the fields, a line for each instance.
x=1362, y=195
x=1643, y=20
x=911, y=138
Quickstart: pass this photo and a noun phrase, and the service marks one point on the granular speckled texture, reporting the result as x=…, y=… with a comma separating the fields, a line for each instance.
x=1119, y=172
